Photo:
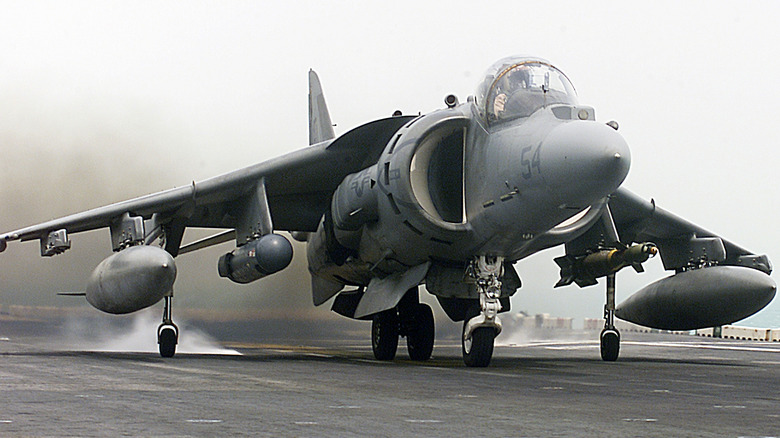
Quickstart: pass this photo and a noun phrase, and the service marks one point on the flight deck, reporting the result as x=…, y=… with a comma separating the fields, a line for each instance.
x=662, y=385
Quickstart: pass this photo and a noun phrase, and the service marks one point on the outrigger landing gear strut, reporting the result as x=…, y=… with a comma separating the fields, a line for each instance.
x=610, y=337
x=481, y=327
x=167, y=332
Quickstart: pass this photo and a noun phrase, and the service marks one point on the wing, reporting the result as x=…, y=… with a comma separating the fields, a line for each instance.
x=680, y=242
x=294, y=188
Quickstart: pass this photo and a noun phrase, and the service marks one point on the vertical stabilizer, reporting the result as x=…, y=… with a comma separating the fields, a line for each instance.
x=320, y=126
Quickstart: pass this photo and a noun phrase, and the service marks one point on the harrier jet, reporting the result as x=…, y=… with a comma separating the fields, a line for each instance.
x=451, y=200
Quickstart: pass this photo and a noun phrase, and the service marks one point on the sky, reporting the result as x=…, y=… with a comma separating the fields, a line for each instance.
x=106, y=101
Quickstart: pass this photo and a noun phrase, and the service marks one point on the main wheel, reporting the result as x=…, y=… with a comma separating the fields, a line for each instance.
x=478, y=349
x=419, y=339
x=167, y=338
x=610, y=345
x=384, y=334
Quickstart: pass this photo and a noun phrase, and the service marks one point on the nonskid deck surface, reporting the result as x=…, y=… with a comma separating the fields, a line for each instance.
x=662, y=385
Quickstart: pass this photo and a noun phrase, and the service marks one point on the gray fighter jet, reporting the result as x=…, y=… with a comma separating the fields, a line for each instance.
x=452, y=200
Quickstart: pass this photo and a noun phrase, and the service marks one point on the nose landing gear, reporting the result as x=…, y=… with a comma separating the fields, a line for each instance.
x=482, y=325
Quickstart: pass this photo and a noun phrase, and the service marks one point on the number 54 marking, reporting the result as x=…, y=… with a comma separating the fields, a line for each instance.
x=529, y=164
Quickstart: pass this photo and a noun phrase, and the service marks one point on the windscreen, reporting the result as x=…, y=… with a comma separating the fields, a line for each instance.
x=515, y=88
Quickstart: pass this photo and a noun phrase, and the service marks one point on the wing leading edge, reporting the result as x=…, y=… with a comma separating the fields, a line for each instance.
x=681, y=243
x=298, y=185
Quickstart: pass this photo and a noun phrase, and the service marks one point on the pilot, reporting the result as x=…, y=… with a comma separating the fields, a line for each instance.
x=509, y=91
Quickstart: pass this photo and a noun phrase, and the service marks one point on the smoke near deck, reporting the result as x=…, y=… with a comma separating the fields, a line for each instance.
x=135, y=334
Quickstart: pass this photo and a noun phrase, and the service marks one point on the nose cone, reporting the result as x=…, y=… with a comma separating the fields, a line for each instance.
x=585, y=161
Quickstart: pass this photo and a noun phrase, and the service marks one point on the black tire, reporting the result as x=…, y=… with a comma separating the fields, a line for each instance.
x=478, y=350
x=610, y=345
x=419, y=340
x=384, y=334
x=167, y=340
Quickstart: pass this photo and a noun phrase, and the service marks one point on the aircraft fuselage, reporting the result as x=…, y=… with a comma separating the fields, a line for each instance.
x=449, y=187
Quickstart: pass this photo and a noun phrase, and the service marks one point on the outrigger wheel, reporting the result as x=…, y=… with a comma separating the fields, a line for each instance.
x=610, y=345
x=610, y=337
x=167, y=332
x=167, y=337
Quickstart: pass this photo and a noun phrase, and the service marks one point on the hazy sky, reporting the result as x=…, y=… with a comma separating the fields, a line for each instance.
x=103, y=101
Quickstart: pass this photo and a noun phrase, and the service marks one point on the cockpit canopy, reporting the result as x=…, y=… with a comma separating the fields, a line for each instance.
x=517, y=87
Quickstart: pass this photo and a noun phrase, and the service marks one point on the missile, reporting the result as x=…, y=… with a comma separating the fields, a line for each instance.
x=131, y=280
x=585, y=270
x=699, y=298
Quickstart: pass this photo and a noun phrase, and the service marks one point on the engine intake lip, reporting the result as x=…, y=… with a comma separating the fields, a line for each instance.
x=426, y=171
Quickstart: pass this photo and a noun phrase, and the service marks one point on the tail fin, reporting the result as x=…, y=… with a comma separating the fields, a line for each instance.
x=320, y=126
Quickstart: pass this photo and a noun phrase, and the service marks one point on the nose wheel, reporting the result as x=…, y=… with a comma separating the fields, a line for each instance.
x=478, y=348
x=482, y=324
x=167, y=332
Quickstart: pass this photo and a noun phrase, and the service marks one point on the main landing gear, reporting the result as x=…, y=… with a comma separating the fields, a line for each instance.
x=610, y=337
x=482, y=325
x=410, y=319
x=167, y=332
